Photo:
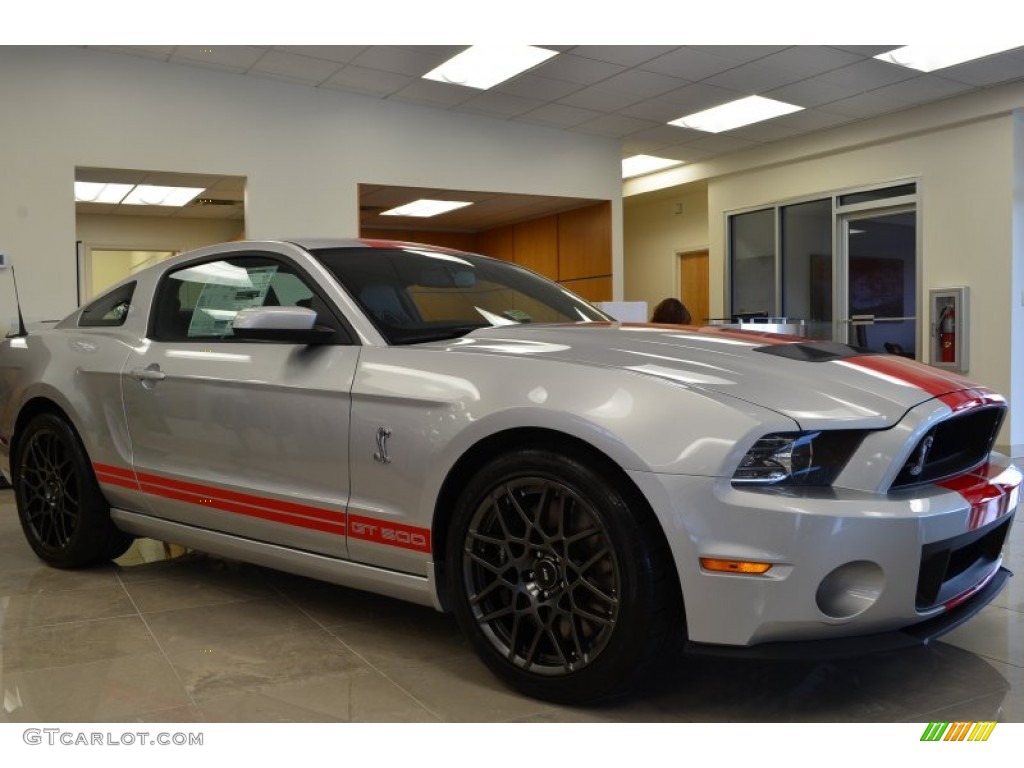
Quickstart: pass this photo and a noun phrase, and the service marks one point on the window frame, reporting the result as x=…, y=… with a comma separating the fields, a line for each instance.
x=344, y=335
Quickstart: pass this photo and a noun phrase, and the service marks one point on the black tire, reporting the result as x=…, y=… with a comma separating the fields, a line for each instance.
x=566, y=591
x=62, y=510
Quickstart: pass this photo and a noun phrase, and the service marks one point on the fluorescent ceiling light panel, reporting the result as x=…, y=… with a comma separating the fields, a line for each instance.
x=424, y=209
x=752, y=109
x=484, y=66
x=640, y=164
x=927, y=58
x=145, y=194
x=99, y=192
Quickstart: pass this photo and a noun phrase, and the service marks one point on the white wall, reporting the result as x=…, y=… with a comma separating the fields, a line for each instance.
x=303, y=151
x=655, y=231
x=154, y=233
x=1015, y=316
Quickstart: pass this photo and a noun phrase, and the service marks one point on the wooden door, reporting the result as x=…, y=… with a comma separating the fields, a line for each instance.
x=694, y=285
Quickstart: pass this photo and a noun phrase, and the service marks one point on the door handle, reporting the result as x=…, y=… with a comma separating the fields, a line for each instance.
x=148, y=375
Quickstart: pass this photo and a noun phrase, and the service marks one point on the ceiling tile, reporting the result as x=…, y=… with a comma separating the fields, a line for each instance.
x=720, y=142
x=810, y=60
x=614, y=125
x=920, y=89
x=660, y=110
x=667, y=135
x=234, y=58
x=577, y=69
x=865, y=105
x=765, y=131
x=559, y=116
x=869, y=74
x=343, y=54
x=368, y=81
x=812, y=92
x=403, y=61
x=626, y=55
x=987, y=71
x=742, y=53
x=691, y=64
x=161, y=52
x=701, y=96
x=811, y=120
x=600, y=98
x=295, y=68
x=533, y=86
x=431, y=93
x=866, y=50
x=498, y=104
x=755, y=78
x=644, y=85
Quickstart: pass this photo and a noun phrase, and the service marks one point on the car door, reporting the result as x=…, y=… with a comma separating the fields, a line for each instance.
x=243, y=437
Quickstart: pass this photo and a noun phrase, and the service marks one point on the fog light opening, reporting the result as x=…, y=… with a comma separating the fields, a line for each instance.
x=850, y=589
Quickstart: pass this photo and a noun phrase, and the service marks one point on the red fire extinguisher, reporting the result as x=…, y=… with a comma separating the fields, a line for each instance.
x=947, y=335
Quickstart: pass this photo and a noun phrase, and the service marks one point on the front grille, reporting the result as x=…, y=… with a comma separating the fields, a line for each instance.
x=953, y=566
x=952, y=447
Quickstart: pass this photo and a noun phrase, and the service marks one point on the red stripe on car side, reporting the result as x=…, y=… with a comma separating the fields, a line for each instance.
x=278, y=505
x=274, y=510
x=991, y=491
x=260, y=513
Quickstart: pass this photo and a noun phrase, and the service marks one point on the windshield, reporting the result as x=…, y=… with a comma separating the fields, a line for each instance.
x=417, y=294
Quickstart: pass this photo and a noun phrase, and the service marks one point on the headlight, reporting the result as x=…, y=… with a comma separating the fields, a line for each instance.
x=797, y=458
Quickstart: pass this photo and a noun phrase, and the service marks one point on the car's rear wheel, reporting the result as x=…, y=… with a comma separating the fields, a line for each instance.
x=564, y=588
x=62, y=511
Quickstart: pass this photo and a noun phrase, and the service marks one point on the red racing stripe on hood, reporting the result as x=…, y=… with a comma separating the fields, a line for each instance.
x=911, y=373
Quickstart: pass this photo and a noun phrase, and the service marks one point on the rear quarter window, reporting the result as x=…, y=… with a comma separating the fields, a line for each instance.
x=109, y=310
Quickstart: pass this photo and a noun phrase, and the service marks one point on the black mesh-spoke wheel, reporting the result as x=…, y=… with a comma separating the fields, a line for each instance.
x=560, y=576
x=63, y=513
x=50, y=490
x=541, y=576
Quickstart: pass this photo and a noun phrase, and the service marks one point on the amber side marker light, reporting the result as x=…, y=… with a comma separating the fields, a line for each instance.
x=733, y=566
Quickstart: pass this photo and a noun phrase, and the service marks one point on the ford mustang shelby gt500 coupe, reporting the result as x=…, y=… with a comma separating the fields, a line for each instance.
x=586, y=496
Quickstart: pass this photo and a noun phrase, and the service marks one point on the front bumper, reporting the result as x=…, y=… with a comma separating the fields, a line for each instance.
x=846, y=565
x=914, y=636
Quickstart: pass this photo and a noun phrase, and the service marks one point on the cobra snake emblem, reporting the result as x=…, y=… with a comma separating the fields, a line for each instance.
x=383, y=433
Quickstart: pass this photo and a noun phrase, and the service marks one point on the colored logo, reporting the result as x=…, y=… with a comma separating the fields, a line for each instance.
x=958, y=731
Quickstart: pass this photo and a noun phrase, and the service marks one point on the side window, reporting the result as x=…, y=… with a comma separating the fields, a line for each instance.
x=200, y=301
x=109, y=310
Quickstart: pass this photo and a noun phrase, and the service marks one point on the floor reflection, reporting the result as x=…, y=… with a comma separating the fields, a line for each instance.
x=167, y=634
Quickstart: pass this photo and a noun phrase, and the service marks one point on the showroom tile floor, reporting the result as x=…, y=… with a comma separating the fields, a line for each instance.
x=198, y=639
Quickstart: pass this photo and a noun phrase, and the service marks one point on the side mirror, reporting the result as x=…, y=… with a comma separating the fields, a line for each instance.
x=288, y=325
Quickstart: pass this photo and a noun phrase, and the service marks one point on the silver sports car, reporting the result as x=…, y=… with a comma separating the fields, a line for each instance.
x=585, y=496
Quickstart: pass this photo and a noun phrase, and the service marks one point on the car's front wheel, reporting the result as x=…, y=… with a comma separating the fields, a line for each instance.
x=565, y=589
x=62, y=511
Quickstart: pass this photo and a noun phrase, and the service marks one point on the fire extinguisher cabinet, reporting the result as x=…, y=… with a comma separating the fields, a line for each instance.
x=950, y=310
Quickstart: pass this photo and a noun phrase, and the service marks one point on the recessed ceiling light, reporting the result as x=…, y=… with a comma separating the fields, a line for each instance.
x=99, y=192
x=640, y=164
x=927, y=58
x=425, y=208
x=752, y=109
x=146, y=194
x=484, y=66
